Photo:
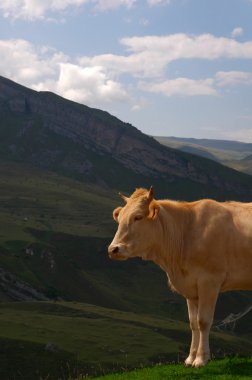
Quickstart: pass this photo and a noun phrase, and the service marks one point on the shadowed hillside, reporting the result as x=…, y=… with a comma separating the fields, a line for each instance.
x=45, y=130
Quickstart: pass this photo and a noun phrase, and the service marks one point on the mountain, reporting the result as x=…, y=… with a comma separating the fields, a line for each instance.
x=50, y=132
x=234, y=154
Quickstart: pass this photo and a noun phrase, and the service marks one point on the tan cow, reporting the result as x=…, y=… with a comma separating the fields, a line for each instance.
x=205, y=247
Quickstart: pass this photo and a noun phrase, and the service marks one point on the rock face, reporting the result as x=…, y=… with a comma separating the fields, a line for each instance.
x=18, y=290
x=72, y=139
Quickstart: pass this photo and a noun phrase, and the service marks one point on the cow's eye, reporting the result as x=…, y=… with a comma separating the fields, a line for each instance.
x=138, y=217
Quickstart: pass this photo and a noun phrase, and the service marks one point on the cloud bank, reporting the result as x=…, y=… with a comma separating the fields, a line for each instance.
x=100, y=79
x=41, y=9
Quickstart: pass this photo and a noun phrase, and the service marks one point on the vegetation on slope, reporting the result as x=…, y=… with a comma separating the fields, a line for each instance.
x=57, y=340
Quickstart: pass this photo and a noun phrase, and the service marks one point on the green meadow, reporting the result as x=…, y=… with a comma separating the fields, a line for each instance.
x=68, y=340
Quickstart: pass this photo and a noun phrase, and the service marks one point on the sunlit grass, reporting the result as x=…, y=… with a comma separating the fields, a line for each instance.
x=227, y=369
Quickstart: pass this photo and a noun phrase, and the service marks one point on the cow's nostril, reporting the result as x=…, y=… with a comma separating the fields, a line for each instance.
x=115, y=249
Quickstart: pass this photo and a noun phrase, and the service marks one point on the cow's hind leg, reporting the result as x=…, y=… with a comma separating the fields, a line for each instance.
x=193, y=313
x=208, y=294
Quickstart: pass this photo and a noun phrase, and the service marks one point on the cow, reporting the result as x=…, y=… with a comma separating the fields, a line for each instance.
x=205, y=247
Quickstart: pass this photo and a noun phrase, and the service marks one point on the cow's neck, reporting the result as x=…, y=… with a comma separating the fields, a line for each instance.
x=172, y=224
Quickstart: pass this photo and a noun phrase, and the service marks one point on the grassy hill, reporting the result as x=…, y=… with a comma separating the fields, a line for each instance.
x=54, y=234
x=61, y=340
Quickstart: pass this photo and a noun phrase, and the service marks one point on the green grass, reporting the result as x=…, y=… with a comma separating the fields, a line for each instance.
x=226, y=369
x=92, y=340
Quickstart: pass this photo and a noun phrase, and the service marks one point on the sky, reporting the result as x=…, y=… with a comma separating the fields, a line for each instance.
x=169, y=67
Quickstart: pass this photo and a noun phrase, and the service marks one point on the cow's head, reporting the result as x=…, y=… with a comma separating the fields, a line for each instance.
x=136, y=226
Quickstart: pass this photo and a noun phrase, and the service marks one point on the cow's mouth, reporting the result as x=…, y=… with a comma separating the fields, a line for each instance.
x=117, y=257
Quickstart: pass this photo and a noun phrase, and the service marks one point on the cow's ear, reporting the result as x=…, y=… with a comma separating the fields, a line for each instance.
x=116, y=213
x=153, y=210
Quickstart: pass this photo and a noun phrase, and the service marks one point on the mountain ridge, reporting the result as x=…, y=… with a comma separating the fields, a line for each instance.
x=91, y=145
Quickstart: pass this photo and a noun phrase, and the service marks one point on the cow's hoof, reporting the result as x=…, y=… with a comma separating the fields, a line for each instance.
x=199, y=362
x=189, y=361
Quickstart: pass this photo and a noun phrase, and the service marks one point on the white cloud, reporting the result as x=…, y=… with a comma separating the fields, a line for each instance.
x=38, y=9
x=35, y=9
x=100, y=79
x=233, y=78
x=44, y=69
x=104, y=5
x=181, y=87
x=236, y=32
x=88, y=85
x=182, y=46
x=192, y=87
x=149, y=56
x=22, y=62
x=158, y=2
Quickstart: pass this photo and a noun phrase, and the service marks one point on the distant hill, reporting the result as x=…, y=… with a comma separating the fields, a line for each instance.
x=47, y=131
x=234, y=154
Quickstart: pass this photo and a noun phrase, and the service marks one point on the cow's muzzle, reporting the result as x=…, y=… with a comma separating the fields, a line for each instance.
x=116, y=252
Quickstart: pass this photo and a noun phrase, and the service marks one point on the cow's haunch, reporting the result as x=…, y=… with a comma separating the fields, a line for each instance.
x=205, y=247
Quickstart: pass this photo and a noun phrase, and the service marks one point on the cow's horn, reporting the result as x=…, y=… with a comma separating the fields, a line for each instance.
x=151, y=193
x=124, y=197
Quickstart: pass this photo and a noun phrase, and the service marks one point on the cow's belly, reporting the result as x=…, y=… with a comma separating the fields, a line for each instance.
x=238, y=281
x=239, y=269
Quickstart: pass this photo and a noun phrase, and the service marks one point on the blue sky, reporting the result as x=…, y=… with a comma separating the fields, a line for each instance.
x=169, y=67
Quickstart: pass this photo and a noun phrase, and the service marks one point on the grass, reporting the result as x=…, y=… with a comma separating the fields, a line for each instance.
x=45, y=212
x=136, y=321
x=226, y=369
x=43, y=200
x=92, y=340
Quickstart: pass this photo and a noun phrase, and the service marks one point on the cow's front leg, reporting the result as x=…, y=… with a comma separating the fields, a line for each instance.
x=208, y=294
x=192, y=306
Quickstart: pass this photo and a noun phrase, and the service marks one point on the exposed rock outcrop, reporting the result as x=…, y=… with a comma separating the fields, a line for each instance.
x=18, y=290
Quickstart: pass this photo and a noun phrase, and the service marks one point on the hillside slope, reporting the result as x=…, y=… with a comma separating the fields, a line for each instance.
x=54, y=237
x=93, y=146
